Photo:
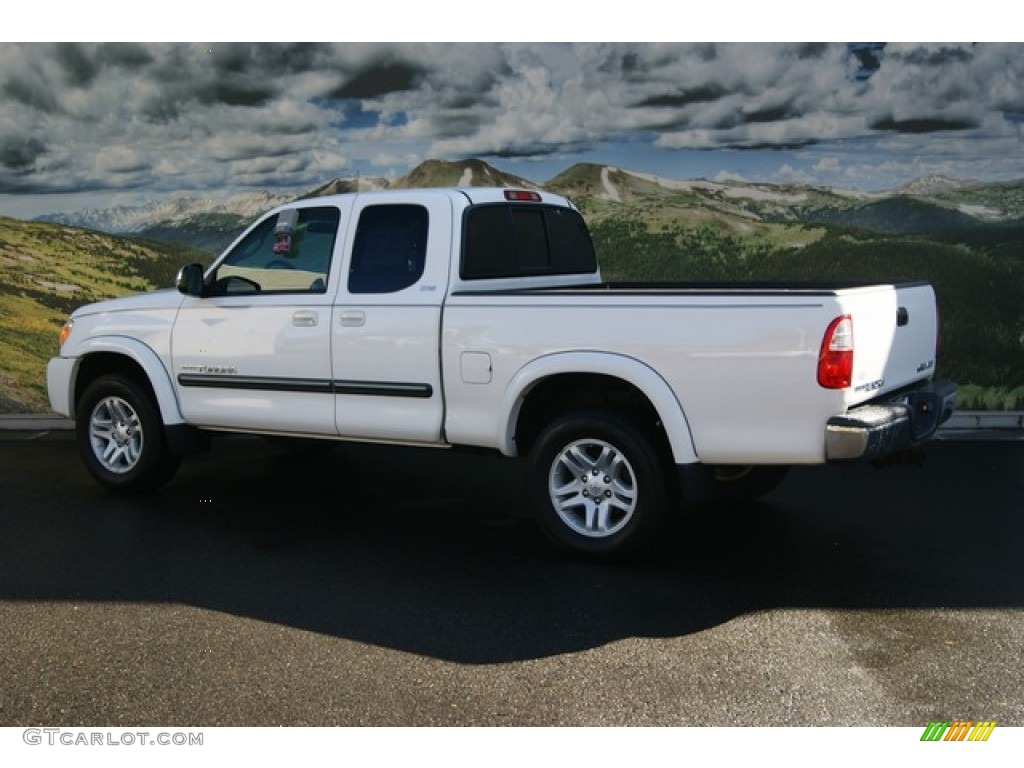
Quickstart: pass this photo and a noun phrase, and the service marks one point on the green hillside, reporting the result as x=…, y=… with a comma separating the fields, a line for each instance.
x=46, y=271
x=587, y=181
x=1005, y=199
x=897, y=216
x=466, y=173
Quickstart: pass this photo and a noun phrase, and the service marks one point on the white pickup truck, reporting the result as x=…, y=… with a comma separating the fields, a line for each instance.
x=478, y=317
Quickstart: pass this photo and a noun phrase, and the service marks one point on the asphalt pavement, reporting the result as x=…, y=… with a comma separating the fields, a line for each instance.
x=386, y=586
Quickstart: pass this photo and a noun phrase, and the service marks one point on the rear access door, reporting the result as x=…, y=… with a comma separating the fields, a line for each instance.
x=386, y=331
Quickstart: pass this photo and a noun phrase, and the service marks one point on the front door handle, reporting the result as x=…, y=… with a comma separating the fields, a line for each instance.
x=353, y=318
x=305, y=319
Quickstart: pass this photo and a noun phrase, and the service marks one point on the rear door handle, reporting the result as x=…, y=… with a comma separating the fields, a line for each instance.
x=305, y=319
x=353, y=318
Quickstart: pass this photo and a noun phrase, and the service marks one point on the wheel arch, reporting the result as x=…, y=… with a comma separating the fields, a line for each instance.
x=564, y=381
x=102, y=356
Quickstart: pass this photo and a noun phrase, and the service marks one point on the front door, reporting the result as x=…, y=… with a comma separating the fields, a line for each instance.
x=255, y=353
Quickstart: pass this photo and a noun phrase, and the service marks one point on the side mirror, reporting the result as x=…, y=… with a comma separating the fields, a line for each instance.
x=190, y=280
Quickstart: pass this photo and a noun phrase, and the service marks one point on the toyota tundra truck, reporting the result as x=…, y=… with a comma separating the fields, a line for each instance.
x=478, y=318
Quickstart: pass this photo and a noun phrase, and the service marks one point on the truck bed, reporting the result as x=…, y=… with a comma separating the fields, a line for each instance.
x=741, y=358
x=752, y=288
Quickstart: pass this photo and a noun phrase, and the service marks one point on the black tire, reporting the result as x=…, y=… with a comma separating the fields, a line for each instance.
x=746, y=483
x=588, y=455
x=121, y=436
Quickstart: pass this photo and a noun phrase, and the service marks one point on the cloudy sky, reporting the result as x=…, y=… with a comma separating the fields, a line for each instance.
x=92, y=125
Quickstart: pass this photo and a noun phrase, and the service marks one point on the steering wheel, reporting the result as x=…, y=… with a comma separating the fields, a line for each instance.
x=280, y=264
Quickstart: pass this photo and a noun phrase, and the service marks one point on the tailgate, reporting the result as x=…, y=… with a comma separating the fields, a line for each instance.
x=894, y=335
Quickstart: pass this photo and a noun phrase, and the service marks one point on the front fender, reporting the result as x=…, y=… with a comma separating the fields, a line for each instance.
x=628, y=369
x=143, y=356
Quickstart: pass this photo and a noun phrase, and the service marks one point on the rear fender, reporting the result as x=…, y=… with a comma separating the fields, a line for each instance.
x=628, y=369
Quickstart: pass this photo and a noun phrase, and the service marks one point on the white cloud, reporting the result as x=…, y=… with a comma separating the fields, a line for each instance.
x=828, y=165
x=787, y=174
x=171, y=116
x=724, y=176
x=384, y=159
x=119, y=160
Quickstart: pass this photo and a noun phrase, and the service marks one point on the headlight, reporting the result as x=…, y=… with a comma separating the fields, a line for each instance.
x=66, y=331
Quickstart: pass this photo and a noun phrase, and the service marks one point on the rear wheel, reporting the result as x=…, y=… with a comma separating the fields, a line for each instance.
x=121, y=436
x=600, y=485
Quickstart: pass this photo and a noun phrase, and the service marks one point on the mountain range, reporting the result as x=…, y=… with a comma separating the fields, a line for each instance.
x=928, y=205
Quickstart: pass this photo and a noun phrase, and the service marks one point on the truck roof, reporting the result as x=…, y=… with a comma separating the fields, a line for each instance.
x=474, y=195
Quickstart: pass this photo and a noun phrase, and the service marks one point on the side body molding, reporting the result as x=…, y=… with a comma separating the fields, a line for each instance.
x=619, y=366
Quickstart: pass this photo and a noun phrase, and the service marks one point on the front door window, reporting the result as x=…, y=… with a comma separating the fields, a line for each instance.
x=287, y=253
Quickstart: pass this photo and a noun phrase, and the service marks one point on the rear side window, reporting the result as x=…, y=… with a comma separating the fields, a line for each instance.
x=516, y=241
x=390, y=248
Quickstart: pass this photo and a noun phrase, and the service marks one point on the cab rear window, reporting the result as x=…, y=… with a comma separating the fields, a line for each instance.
x=524, y=240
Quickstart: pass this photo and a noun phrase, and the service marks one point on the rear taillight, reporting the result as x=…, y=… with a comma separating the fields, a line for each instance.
x=835, y=361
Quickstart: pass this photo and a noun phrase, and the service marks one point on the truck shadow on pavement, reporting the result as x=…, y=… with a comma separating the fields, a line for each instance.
x=435, y=554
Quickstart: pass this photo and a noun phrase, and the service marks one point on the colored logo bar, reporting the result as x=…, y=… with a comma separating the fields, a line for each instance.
x=958, y=730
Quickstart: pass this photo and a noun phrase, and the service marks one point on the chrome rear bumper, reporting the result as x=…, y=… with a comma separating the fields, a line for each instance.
x=876, y=430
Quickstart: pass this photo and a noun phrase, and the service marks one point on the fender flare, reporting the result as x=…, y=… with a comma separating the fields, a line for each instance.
x=628, y=369
x=146, y=358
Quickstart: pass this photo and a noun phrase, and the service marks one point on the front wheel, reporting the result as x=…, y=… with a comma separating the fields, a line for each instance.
x=121, y=436
x=600, y=485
